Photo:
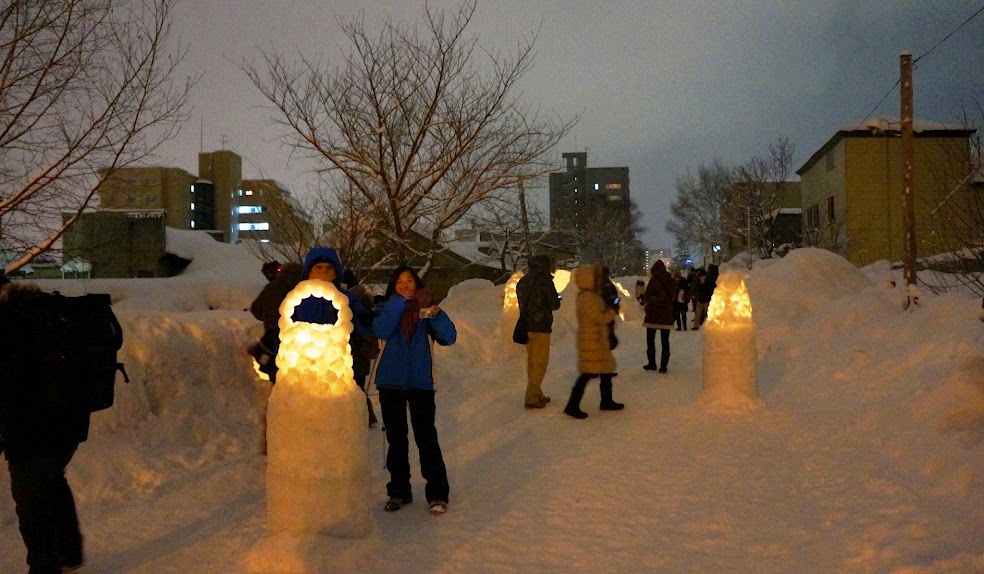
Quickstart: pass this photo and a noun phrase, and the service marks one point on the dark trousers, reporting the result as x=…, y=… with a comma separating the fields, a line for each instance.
x=680, y=315
x=394, y=404
x=577, y=392
x=45, y=508
x=664, y=341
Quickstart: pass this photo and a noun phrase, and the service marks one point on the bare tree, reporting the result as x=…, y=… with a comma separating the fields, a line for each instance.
x=757, y=189
x=956, y=208
x=422, y=122
x=353, y=228
x=510, y=231
x=607, y=232
x=86, y=87
x=293, y=226
x=697, y=214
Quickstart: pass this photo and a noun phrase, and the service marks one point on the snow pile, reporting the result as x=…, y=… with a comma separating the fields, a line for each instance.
x=866, y=456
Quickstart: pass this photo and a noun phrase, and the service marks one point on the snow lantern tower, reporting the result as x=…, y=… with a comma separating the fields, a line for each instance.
x=730, y=359
x=318, y=474
x=510, y=311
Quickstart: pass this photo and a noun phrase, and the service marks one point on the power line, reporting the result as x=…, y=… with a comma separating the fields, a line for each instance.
x=947, y=37
x=926, y=53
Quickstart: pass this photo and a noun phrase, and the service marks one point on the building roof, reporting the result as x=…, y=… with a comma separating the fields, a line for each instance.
x=887, y=127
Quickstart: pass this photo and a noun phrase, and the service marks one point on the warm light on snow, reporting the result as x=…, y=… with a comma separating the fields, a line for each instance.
x=314, y=355
x=509, y=300
x=730, y=303
x=561, y=278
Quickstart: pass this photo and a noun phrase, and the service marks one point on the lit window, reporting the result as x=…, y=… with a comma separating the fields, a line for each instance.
x=613, y=186
x=258, y=226
x=192, y=188
x=193, y=206
x=264, y=241
x=250, y=209
x=192, y=223
x=597, y=187
x=248, y=192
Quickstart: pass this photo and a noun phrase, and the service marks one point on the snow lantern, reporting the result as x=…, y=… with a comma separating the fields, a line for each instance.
x=730, y=358
x=510, y=311
x=318, y=473
x=561, y=278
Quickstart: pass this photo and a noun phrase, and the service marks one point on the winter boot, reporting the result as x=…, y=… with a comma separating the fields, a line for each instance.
x=573, y=407
x=607, y=404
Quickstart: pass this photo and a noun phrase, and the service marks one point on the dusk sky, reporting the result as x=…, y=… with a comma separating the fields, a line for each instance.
x=661, y=86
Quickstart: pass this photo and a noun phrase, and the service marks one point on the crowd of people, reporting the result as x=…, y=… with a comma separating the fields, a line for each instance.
x=391, y=343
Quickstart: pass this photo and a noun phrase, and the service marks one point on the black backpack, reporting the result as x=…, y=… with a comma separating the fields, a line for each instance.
x=81, y=336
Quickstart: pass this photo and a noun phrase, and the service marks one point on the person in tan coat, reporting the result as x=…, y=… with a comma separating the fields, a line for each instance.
x=593, y=345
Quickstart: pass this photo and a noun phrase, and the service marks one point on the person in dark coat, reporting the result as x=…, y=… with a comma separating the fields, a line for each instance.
x=41, y=427
x=706, y=283
x=538, y=299
x=681, y=302
x=407, y=320
x=659, y=296
x=266, y=308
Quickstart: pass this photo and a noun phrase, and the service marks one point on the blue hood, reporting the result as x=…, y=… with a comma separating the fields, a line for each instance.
x=323, y=253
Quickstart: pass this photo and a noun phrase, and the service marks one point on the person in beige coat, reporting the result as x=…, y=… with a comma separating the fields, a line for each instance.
x=593, y=344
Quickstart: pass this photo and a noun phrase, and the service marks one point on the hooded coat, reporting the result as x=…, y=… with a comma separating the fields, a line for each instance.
x=266, y=306
x=317, y=310
x=593, y=316
x=658, y=298
x=537, y=296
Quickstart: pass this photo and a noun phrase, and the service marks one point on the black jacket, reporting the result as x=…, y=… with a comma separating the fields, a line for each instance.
x=537, y=296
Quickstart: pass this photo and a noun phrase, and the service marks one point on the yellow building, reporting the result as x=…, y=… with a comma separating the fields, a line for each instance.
x=852, y=189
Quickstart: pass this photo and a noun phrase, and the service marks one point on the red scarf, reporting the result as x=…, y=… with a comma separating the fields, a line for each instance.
x=411, y=313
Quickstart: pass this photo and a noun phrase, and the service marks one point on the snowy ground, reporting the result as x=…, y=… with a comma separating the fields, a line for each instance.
x=865, y=454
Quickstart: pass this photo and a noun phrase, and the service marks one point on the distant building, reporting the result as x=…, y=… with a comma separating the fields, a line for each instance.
x=267, y=212
x=571, y=189
x=125, y=236
x=852, y=189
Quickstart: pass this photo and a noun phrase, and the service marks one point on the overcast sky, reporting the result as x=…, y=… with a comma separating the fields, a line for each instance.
x=661, y=86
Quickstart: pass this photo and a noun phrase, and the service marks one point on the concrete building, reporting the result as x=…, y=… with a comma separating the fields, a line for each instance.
x=852, y=189
x=267, y=212
x=571, y=189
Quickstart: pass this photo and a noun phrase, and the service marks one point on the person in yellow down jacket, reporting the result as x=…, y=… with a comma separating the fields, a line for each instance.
x=593, y=344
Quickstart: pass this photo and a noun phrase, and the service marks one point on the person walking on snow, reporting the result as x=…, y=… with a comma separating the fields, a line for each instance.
x=659, y=315
x=538, y=299
x=407, y=321
x=593, y=345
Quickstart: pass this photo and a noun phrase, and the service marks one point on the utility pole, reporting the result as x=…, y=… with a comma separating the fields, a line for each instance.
x=908, y=200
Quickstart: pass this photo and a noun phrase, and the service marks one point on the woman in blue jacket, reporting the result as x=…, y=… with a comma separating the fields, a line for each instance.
x=406, y=320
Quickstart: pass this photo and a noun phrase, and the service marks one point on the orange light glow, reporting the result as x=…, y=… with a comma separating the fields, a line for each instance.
x=730, y=303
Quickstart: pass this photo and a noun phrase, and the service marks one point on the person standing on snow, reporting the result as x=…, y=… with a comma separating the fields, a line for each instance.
x=538, y=299
x=365, y=348
x=407, y=321
x=41, y=427
x=659, y=297
x=593, y=345
x=266, y=308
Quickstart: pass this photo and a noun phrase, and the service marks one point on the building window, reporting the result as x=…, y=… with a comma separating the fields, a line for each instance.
x=613, y=186
x=248, y=192
x=597, y=186
x=193, y=206
x=192, y=223
x=828, y=159
x=813, y=217
x=258, y=226
x=830, y=208
x=243, y=209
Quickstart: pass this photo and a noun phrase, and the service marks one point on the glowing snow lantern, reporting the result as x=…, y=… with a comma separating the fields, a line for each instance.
x=510, y=311
x=730, y=359
x=317, y=456
x=561, y=278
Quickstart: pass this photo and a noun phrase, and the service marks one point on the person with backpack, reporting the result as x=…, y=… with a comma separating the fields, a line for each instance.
x=538, y=299
x=407, y=321
x=43, y=419
x=594, y=348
